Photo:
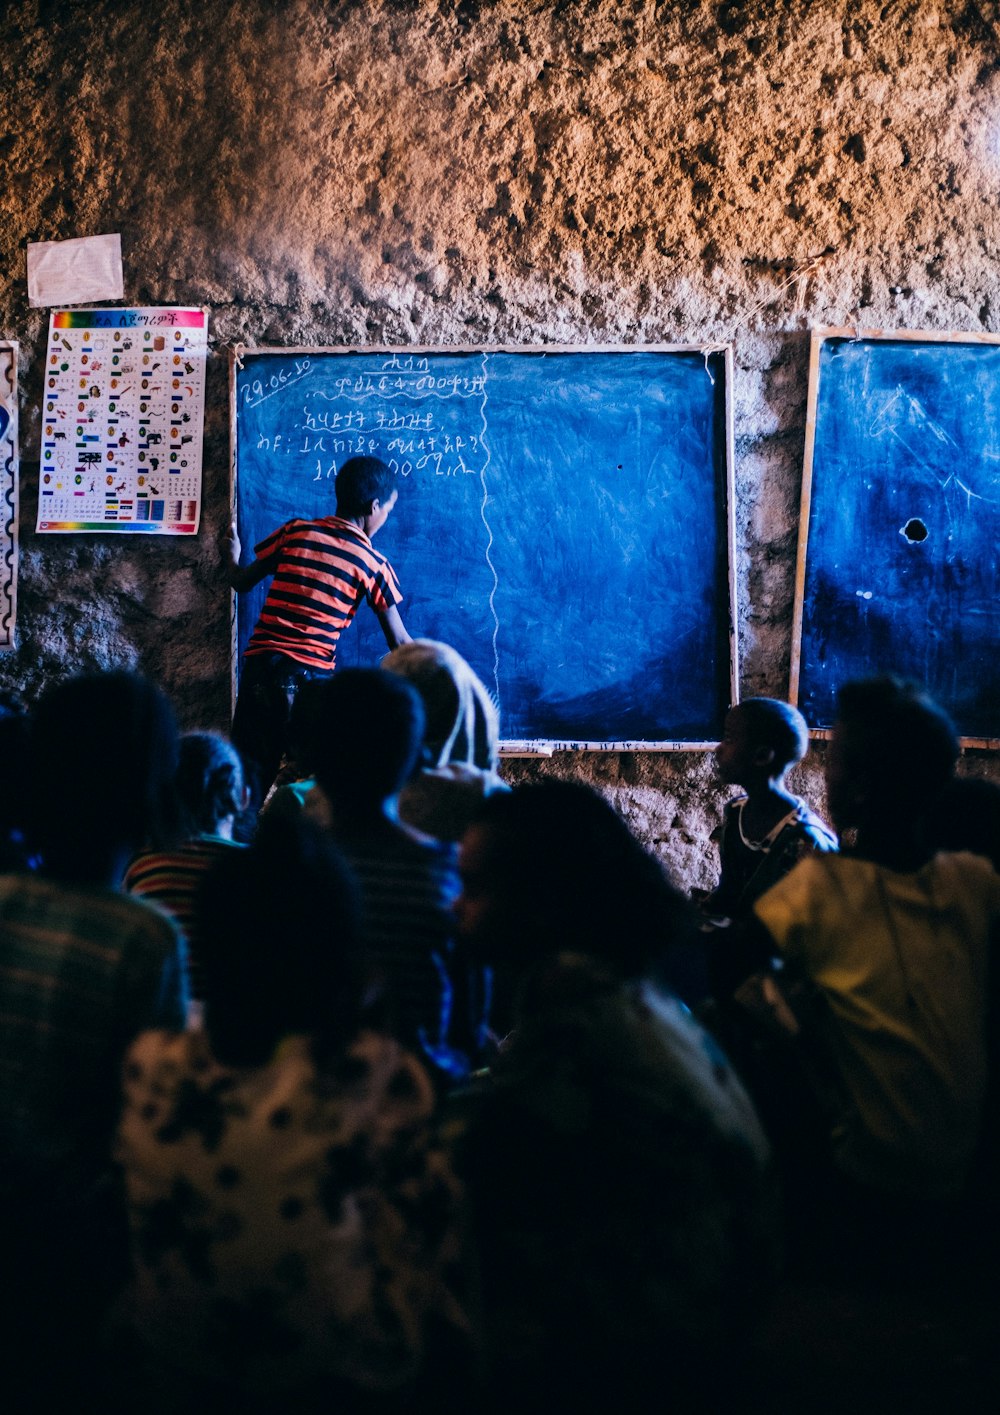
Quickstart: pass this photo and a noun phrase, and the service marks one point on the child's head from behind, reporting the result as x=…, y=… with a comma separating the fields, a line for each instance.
x=462, y=721
x=368, y=727
x=279, y=928
x=892, y=755
x=761, y=739
x=103, y=762
x=551, y=867
x=209, y=782
x=361, y=482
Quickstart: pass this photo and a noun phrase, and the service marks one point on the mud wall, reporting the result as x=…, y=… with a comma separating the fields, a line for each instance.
x=468, y=171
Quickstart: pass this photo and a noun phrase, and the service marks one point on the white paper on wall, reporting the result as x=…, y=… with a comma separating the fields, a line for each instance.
x=75, y=272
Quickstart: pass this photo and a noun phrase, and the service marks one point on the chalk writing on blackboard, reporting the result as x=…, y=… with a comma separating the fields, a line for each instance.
x=900, y=522
x=563, y=517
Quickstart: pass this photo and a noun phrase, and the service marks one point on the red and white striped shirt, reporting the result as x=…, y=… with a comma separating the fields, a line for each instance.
x=325, y=568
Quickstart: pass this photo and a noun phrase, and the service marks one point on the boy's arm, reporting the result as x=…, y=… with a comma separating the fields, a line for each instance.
x=242, y=577
x=392, y=627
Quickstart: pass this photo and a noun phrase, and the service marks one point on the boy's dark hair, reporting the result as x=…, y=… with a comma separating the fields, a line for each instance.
x=360, y=481
x=579, y=879
x=778, y=726
x=209, y=781
x=103, y=769
x=898, y=740
x=279, y=929
x=369, y=726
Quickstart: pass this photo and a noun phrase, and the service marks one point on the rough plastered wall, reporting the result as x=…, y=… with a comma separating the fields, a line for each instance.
x=481, y=171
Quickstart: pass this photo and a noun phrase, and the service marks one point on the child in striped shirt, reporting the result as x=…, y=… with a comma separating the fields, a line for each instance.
x=212, y=795
x=322, y=570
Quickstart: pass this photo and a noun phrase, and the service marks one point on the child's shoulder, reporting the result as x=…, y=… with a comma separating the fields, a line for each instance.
x=812, y=830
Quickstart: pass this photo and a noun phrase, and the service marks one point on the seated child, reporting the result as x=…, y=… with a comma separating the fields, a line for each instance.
x=616, y=1169
x=767, y=831
x=322, y=571
x=82, y=970
x=368, y=728
x=458, y=765
x=212, y=795
x=291, y=1210
x=893, y=941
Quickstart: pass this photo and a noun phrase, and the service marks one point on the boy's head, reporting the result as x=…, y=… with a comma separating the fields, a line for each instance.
x=892, y=754
x=90, y=804
x=552, y=866
x=368, y=728
x=282, y=916
x=209, y=781
x=361, y=483
x=761, y=739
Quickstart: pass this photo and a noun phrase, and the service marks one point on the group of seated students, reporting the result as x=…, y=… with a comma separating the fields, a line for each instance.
x=436, y=1095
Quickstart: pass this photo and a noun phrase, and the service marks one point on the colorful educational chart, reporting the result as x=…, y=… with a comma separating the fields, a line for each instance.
x=8, y=493
x=124, y=410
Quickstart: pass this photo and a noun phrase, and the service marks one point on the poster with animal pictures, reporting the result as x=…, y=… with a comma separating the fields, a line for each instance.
x=123, y=414
x=8, y=493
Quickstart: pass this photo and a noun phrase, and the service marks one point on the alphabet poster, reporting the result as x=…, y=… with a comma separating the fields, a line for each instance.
x=124, y=410
x=8, y=493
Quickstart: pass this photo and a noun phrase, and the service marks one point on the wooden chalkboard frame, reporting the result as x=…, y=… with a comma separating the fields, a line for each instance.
x=513, y=747
x=819, y=337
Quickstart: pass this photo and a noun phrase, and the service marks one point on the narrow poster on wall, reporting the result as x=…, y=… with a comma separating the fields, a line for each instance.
x=8, y=493
x=123, y=415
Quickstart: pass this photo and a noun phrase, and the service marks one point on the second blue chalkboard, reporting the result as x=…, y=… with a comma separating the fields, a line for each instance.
x=901, y=519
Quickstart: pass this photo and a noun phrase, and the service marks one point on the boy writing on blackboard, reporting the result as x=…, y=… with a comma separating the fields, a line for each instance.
x=322, y=569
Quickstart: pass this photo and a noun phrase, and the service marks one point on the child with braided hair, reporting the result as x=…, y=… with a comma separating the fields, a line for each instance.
x=212, y=795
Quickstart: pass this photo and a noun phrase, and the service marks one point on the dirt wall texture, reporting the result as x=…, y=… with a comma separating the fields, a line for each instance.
x=484, y=171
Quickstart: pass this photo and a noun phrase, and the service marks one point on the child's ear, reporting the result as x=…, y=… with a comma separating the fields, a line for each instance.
x=763, y=756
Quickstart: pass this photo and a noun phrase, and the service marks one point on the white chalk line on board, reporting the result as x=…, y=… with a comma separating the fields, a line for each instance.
x=484, y=442
x=917, y=420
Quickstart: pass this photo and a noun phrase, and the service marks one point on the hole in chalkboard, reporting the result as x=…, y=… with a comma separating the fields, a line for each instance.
x=914, y=530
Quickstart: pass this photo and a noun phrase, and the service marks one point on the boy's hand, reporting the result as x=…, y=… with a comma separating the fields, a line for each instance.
x=229, y=545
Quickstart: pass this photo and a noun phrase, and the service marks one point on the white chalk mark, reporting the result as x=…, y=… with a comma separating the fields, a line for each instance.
x=914, y=411
x=916, y=417
x=484, y=442
x=863, y=594
x=969, y=493
x=711, y=376
x=280, y=389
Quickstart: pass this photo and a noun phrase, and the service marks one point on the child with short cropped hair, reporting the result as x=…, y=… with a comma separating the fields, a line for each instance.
x=767, y=831
x=322, y=571
x=367, y=733
x=893, y=942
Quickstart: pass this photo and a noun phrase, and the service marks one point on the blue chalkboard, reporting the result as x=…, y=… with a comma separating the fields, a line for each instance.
x=563, y=518
x=898, y=549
